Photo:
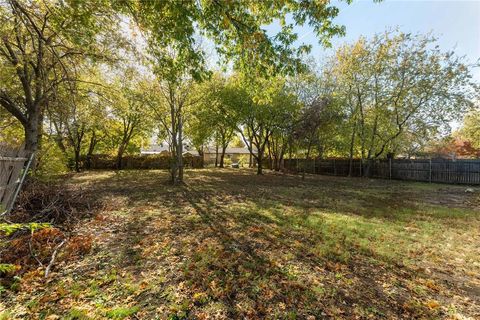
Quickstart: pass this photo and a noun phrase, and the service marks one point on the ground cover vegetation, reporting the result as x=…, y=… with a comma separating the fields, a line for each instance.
x=232, y=244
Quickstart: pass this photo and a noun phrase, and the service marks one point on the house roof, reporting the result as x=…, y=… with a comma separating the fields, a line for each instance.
x=161, y=148
x=229, y=150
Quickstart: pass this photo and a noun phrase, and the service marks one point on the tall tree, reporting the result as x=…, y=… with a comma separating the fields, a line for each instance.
x=258, y=107
x=41, y=42
x=131, y=112
x=395, y=83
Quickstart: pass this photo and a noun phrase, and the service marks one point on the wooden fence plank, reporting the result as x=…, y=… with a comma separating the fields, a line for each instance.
x=425, y=170
x=12, y=162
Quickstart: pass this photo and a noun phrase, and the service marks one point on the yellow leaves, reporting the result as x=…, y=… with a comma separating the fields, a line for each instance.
x=200, y=298
x=432, y=304
x=432, y=285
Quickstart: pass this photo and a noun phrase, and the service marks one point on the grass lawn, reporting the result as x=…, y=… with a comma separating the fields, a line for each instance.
x=233, y=245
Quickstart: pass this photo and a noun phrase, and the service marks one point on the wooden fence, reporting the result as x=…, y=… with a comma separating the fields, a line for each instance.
x=428, y=170
x=12, y=162
x=99, y=161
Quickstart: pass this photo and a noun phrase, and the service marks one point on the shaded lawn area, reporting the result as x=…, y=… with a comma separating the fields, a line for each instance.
x=233, y=245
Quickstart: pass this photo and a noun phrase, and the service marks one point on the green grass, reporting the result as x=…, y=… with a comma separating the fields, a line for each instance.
x=230, y=245
x=122, y=312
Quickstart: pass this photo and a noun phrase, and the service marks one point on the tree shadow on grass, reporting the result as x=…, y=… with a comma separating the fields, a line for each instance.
x=242, y=271
x=258, y=265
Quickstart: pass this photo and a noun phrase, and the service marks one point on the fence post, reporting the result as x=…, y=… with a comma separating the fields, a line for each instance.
x=334, y=168
x=390, y=167
x=314, y=168
x=430, y=170
x=297, y=165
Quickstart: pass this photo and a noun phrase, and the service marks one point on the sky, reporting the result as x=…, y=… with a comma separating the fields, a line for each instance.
x=455, y=23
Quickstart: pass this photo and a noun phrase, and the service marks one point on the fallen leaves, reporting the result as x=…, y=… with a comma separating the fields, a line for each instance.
x=212, y=250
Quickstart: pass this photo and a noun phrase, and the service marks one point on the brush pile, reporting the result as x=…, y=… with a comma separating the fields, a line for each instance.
x=47, y=212
x=51, y=202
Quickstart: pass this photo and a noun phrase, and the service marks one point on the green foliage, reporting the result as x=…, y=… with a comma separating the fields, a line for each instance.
x=11, y=130
x=5, y=315
x=6, y=268
x=236, y=28
x=77, y=314
x=44, y=46
x=51, y=160
x=122, y=312
x=10, y=228
x=395, y=88
x=470, y=129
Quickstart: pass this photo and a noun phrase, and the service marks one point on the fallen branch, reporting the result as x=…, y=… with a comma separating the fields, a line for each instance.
x=32, y=253
x=52, y=260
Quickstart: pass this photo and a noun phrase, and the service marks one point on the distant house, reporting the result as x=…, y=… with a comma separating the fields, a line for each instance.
x=163, y=148
x=234, y=154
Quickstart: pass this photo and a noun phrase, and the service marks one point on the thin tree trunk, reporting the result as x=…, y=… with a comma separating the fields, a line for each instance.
x=174, y=146
x=306, y=160
x=216, y=155
x=180, y=148
x=259, y=163
x=77, y=159
x=119, y=158
x=222, y=156
x=352, y=142
x=91, y=148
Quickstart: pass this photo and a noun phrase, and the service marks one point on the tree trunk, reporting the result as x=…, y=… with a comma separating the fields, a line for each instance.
x=119, y=158
x=259, y=163
x=174, y=145
x=306, y=159
x=201, y=153
x=216, y=155
x=180, y=148
x=33, y=135
x=77, y=160
x=91, y=148
x=34, y=132
x=352, y=142
x=222, y=156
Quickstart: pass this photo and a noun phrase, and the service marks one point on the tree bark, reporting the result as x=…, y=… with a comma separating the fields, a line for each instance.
x=77, y=160
x=222, y=156
x=180, y=148
x=259, y=164
x=352, y=142
x=119, y=158
x=216, y=155
x=91, y=148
